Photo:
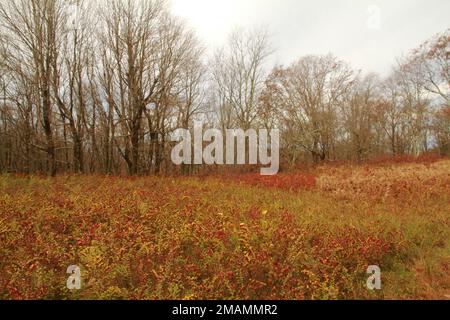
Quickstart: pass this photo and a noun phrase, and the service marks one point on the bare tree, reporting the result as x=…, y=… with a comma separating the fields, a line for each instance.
x=34, y=32
x=69, y=78
x=179, y=71
x=358, y=115
x=309, y=93
x=239, y=75
x=104, y=90
x=130, y=42
x=432, y=61
x=191, y=93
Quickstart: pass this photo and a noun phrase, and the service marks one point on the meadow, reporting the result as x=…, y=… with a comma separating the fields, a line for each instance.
x=308, y=234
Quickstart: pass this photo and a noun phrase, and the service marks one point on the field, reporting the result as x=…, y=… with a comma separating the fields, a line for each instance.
x=304, y=235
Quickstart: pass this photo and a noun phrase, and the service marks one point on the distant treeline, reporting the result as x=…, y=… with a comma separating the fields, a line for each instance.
x=100, y=87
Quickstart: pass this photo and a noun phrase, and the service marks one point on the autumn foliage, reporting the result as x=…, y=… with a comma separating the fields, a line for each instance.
x=299, y=236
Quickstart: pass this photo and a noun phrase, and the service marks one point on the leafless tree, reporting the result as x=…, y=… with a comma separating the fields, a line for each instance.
x=239, y=75
x=358, y=114
x=87, y=87
x=33, y=30
x=309, y=93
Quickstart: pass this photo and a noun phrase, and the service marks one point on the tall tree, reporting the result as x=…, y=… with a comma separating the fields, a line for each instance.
x=34, y=31
x=239, y=73
x=130, y=45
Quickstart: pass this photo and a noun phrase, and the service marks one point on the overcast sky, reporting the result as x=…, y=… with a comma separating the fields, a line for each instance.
x=351, y=29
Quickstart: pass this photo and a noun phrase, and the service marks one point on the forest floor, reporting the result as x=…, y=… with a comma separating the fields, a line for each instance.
x=302, y=235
